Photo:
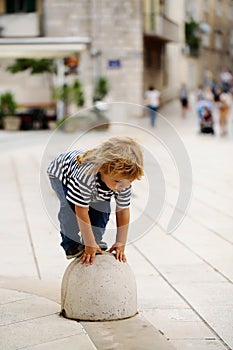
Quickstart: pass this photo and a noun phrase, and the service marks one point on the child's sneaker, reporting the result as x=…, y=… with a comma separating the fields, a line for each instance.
x=103, y=245
x=75, y=251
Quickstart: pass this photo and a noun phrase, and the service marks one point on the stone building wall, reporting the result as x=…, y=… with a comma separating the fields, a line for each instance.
x=115, y=30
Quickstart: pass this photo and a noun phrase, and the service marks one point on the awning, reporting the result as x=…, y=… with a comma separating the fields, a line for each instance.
x=46, y=47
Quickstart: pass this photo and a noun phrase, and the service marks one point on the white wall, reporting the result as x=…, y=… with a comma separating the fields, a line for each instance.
x=20, y=25
x=27, y=88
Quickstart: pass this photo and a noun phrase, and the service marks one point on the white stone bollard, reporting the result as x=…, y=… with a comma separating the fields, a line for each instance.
x=103, y=291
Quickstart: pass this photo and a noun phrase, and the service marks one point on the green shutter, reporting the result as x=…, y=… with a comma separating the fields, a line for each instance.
x=10, y=6
x=30, y=5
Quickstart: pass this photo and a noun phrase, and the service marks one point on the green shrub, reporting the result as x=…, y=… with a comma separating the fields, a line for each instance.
x=8, y=104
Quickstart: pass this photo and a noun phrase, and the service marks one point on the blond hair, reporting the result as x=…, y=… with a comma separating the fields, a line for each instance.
x=118, y=156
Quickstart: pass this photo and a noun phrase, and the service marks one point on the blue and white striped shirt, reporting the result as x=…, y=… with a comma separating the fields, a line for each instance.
x=83, y=186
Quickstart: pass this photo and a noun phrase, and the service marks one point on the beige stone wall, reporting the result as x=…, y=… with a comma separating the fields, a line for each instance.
x=115, y=29
x=67, y=17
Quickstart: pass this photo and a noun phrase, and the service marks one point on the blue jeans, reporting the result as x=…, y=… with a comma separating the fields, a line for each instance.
x=152, y=114
x=99, y=213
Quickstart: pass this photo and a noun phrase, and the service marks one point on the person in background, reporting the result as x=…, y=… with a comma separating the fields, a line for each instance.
x=224, y=106
x=200, y=93
x=153, y=101
x=208, y=94
x=226, y=79
x=216, y=90
x=184, y=100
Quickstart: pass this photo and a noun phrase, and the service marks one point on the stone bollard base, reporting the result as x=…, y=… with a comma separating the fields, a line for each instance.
x=104, y=291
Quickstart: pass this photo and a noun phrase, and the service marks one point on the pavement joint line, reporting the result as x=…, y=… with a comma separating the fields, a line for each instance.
x=208, y=228
x=31, y=319
x=199, y=184
x=25, y=217
x=195, y=220
x=192, y=251
x=201, y=224
x=89, y=338
x=183, y=298
x=203, y=202
x=198, y=255
x=204, y=260
x=212, y=207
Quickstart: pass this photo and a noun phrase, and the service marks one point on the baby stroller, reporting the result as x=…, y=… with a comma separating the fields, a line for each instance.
x=206, y=119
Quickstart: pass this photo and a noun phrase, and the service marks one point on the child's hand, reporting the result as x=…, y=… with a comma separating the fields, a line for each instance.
x=119, y=249
x=89, y=253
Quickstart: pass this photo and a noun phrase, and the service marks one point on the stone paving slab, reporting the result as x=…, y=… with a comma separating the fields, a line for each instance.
x=28, y=321
x=198, y=344
x=184, y=323
x=73, y=342
x=169, y=311
x=132, y=334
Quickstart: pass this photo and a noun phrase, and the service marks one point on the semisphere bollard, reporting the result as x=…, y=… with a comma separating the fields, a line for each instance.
x=104, y=291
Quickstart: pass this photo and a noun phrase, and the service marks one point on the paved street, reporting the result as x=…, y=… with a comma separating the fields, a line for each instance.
x=184, y=278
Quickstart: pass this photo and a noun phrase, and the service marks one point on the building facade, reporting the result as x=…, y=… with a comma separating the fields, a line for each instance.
x=114, y=29
x=214, y=19
x=133, y=43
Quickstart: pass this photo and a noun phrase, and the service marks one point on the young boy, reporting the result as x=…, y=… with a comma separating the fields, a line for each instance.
x=84, y=183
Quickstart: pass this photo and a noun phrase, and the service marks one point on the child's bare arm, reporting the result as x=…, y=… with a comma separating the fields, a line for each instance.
x=91, y=247
x=122, y=219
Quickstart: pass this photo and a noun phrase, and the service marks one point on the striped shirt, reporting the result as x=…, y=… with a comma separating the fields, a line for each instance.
x=83, y=186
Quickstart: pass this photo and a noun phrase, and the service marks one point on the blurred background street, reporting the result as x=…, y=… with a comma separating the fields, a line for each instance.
x=156, y=70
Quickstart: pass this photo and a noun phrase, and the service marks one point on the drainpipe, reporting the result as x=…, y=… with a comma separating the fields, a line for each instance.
x=41, y=15
x=95, y=52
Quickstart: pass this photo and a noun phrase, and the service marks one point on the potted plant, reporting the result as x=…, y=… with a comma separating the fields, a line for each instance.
x=192, y=37
x=7, y=111
x=70, y=94
x=101, y=89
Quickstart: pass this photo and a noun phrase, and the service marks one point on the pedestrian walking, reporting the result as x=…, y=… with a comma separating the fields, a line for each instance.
x=208, y=94
x=216, y=90
x=200, y=93
x=224, y=105
x=153, y=100
x=226, y=79
x=85, y=182
x=184, y=100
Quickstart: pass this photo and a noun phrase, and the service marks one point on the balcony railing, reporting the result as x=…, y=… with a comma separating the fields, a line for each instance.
x=161, y=26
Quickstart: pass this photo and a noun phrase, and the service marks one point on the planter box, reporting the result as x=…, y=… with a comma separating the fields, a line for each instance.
x=11, y=123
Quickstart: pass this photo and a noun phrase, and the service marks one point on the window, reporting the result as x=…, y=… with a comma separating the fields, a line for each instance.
x=161, y=7
x=150, y=10
x=231, y=42
x=218, y=41
x=219, y=8
x=230, y=11
x=206, y=39
x=16, y=6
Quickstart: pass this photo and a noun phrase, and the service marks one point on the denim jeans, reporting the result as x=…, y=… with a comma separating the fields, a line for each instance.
x=99, y=213
x=152, y=114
